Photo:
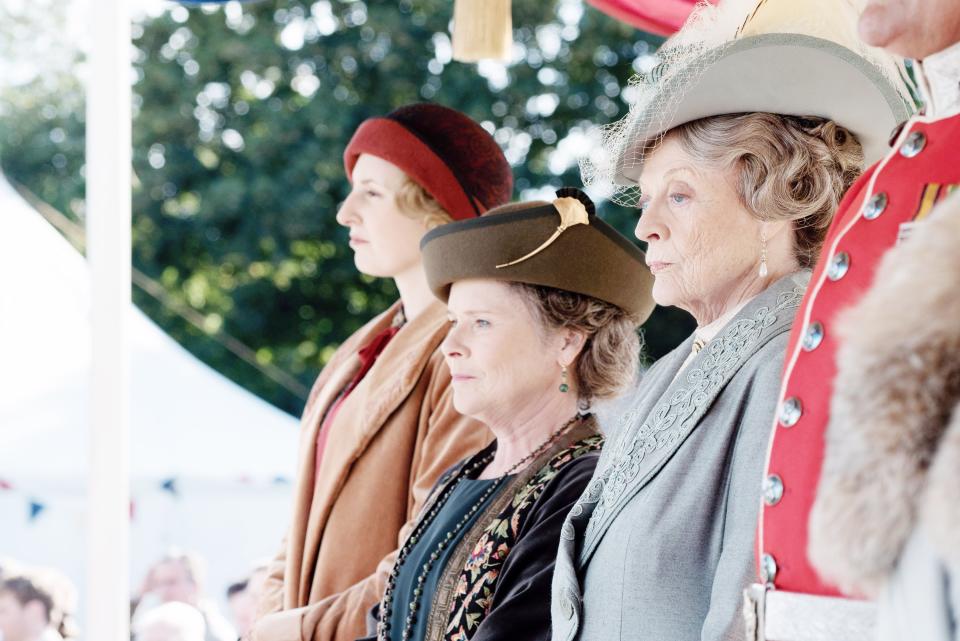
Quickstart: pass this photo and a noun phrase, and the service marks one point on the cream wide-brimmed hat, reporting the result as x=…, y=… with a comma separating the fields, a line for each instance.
x=791, y=57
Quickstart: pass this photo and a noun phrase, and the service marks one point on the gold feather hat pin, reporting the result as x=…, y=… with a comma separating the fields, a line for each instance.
x=581, y=253
x=574, y=207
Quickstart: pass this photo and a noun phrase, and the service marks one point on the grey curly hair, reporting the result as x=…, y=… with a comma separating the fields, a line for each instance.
x=788, y=168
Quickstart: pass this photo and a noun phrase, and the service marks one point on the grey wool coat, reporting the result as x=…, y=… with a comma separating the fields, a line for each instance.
x=660, y=545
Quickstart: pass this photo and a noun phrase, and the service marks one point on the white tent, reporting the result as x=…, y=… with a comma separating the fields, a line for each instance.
x=209, y=461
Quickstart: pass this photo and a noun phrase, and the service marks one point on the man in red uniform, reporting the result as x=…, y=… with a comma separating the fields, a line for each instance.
x=880, y=211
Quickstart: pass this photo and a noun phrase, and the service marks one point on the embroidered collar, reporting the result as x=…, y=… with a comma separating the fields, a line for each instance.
x=938, y=77
x=658, y=424
x=705, y=334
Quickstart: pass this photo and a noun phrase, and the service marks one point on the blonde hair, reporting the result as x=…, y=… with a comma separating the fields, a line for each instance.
x=788, y=168
x=415, y=202
x=610, y=358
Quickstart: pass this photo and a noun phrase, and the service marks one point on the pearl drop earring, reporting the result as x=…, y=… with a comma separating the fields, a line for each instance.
x=763, y=252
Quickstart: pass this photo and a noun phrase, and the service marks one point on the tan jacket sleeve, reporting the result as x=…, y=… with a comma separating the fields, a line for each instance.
x=271, y=598
x=448, y=438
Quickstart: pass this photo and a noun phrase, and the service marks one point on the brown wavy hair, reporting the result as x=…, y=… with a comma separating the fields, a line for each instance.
x=610, y=358
x=52, y=591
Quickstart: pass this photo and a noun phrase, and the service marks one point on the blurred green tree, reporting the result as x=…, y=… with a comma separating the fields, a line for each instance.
x=241, y=116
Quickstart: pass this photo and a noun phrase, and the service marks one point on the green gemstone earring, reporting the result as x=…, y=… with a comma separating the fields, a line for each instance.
x=563, y=379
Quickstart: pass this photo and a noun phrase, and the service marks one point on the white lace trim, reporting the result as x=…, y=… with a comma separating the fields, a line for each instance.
x=939, y=80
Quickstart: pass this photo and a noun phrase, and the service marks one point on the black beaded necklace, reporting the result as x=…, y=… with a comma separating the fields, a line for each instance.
x=386, y=606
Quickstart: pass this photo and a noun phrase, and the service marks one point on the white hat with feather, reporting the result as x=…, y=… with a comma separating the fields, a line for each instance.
x=791, y=57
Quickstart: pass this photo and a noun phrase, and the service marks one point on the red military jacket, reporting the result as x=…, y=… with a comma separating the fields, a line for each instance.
x=922, y=168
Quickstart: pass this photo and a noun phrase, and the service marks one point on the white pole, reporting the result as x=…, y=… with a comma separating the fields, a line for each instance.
x=108, y=178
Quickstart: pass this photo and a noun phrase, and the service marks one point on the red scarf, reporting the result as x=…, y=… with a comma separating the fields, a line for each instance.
x=368, y=355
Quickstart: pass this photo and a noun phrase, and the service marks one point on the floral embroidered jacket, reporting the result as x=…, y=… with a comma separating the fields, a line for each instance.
x=496, y=585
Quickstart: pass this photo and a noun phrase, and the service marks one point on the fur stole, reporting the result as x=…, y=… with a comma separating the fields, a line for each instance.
x=892, y=459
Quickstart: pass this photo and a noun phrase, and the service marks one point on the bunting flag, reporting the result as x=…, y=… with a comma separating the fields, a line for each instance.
x=170, y=485
x=36, y=507
x=660, y=17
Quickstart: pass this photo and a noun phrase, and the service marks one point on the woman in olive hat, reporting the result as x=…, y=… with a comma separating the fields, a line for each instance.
x=544, y=301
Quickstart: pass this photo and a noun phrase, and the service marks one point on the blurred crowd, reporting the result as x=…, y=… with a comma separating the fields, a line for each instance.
x=40, y=604
x=36, y=603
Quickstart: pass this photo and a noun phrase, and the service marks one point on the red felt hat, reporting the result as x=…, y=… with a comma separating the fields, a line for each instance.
x=452, y=157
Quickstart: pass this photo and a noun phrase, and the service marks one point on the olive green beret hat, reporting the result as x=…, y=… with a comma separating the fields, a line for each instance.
x=562, y=244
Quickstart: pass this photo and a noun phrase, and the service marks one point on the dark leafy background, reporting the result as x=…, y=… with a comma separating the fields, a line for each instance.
x=238, y=135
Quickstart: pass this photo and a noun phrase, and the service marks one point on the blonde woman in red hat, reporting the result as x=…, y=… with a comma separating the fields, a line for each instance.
x=379, y=426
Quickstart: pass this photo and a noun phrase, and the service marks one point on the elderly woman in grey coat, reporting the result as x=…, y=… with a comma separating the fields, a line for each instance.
x=736, y=196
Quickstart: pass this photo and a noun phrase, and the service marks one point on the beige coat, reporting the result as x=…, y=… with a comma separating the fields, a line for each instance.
x=390, y=441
